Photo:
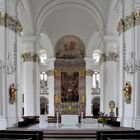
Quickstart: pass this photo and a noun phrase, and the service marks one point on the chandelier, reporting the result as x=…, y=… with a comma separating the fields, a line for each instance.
x=131, y=65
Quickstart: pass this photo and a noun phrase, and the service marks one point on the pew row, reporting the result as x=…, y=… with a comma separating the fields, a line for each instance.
x=18, y=134
x=118, y=135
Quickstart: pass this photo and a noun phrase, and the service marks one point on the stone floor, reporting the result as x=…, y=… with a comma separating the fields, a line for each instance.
x=53, y=131
x=70, y=139
x=78, y=127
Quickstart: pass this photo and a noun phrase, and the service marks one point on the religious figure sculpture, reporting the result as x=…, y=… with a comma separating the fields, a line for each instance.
x=83, y=99
x=12, y=94
x=127, y=92
x=57, y=99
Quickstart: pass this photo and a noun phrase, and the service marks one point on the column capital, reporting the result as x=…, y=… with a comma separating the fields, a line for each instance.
x=29, y=56
x=28, y=43
x=110, y=48
x=50, y=63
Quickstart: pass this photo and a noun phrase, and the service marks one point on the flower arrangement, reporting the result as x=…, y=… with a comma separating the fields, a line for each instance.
x=102, y=118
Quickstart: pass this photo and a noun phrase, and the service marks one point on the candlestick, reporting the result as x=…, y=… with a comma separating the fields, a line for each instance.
x=57, y=117
x=81, y=114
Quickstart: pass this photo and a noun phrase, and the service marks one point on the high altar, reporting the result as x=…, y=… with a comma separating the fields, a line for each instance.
x=69, y=119
x=70, y=76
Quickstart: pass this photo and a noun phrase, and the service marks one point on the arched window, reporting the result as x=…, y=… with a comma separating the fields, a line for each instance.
x=44, y=104
x=43, y=76
x=43, y=58
x=96, y=56
x=96, y=80
x=43, y=82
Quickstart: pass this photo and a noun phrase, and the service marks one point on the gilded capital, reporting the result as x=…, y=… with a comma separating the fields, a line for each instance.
x=89, y=72
x=28, y=56
x=10, y=22
x=110, y=56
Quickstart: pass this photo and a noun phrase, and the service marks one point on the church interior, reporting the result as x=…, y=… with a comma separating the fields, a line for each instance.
x=70, y=65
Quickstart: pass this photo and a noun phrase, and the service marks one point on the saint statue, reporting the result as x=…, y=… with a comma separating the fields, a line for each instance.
x=127, y=92
x=12, y=93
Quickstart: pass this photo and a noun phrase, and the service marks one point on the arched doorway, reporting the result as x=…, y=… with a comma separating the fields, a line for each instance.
x=95, y=106
x=44, y=105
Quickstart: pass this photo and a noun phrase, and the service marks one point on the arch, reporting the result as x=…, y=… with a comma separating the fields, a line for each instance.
x=93, y=43
x=51, y=6
x=27, y=19
x=44, y=105
x=45, y=45
x=95, y=105
x=95, y=99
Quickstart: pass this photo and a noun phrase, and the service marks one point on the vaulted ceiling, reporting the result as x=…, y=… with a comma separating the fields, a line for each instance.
x=57, y=18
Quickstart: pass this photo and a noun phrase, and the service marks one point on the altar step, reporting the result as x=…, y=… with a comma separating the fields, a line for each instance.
x=69, y=133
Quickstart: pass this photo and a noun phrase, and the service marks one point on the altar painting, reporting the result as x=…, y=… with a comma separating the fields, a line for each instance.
x=69, y=87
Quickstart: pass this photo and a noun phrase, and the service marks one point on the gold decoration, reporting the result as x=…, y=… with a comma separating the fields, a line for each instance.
x=83, y=99
x=11, y=23
x=57, y=72
x=129, y=22
x=69, y=107
x=110, y=56
x=127, y=92
x=82, y=72
x=57, y=99
x=28, y=56
x=89, y=72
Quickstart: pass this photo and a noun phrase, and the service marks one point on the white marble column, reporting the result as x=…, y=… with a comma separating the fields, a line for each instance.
x=88, y=84
x=50, y=74
x=109, y=74
x=29, y=58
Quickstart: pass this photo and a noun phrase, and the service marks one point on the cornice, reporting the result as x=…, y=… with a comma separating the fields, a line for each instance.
x=10, y=22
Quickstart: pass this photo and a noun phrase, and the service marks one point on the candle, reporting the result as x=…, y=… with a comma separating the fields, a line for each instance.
x=81, y=114
x=57, y=117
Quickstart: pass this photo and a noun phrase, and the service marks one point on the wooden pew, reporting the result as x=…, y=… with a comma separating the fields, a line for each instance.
x=28, y=120
x=16, y=134
x=114, y=135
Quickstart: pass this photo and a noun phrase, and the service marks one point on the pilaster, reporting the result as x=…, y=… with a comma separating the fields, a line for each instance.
x=109, y=70
x=50, y=74
x=29, y=58
x=129, y=34
x=10, y=29
x=88, y=82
